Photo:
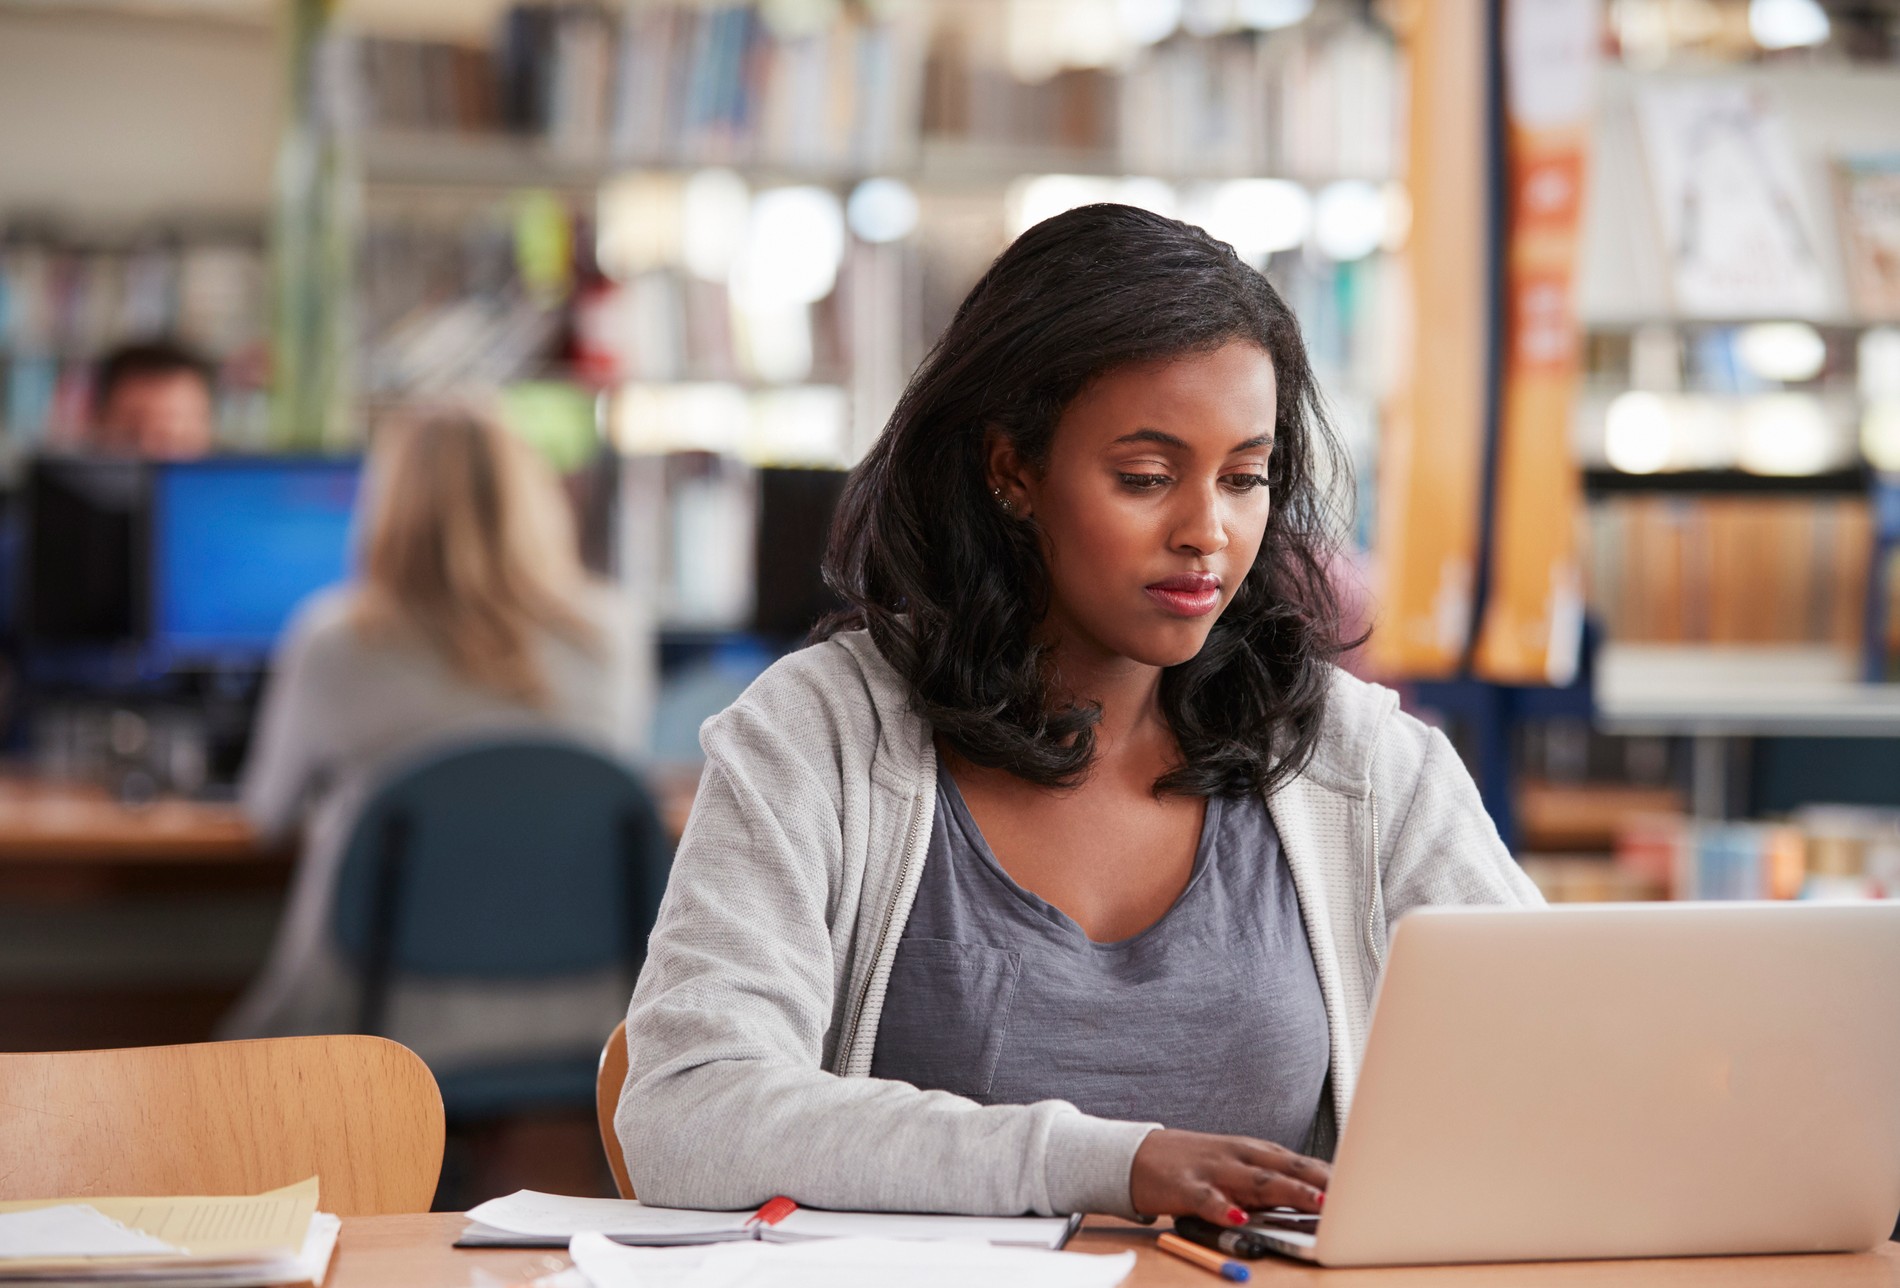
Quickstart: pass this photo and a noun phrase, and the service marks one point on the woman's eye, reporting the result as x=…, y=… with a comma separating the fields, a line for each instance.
x=1245, y=482
x=1143, y=482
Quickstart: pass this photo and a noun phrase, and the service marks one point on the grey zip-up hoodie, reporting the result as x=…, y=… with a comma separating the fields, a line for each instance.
x=751, y=1030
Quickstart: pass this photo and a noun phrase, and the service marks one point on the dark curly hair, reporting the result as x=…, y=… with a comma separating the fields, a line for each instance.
x=951, y=590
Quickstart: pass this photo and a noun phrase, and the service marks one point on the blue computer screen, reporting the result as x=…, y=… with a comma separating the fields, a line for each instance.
x=236, y=545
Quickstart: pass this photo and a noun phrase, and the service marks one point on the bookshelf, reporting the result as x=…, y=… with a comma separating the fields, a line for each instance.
x=528, y=205
x=1708, y=437
x=1745, y=596
x=1738, y=521
x=1711, y=436
x=68, y=294
x=133, y=202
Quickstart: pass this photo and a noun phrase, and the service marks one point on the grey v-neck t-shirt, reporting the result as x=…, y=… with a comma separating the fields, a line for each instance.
x=1209, y=1020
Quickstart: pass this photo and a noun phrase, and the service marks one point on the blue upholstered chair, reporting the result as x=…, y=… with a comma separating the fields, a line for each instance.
x=509, y=859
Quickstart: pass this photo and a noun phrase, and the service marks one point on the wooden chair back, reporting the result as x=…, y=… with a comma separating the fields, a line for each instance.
x=607, y=1084
x=361, y=1114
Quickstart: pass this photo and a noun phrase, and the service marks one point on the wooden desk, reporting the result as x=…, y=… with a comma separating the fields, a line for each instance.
x=65, y=823
x=74, y=865
x=414, y=1251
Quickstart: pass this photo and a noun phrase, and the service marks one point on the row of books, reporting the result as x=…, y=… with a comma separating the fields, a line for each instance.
x=983, y=105
x=43, y=400
x=720, y=84
x=74, y=300
x=1306, y=100
x=1818, y=852
x=62, y=306
x=1730, y=570
x=712, y=83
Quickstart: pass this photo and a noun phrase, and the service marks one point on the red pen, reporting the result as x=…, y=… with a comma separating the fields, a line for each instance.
x=773, y=1211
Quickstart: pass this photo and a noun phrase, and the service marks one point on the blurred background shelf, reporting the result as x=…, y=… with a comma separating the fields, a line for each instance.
x=1829, y=110
x=1586, y=817
x=1741, y=691
x=397, y=158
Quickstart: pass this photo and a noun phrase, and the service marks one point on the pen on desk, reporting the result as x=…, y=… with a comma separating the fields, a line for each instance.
x=1205, y=1258
x=773, y=1211
x=1235, y=1243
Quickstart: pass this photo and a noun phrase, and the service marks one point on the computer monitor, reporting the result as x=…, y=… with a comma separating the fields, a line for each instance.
x=237, y=545
x=795, y=511
x=82, y=552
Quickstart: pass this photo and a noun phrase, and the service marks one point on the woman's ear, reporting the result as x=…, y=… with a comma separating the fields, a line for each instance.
x=1006, y=475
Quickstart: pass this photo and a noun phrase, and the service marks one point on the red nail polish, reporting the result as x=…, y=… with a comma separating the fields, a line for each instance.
x=1321, y=1200
x=1236, y=1216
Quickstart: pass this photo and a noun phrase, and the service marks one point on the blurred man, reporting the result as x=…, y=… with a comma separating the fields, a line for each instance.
x=153, y=400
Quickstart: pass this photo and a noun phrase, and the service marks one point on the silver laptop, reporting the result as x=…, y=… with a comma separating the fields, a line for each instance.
x=1623, y=1081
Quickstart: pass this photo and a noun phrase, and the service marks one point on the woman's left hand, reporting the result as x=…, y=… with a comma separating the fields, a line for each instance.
x=1222, y=1178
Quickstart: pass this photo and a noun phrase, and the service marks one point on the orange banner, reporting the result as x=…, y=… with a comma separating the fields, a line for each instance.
x=1533, y=618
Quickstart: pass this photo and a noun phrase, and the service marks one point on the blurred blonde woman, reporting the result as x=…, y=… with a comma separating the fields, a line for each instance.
x=471, y=615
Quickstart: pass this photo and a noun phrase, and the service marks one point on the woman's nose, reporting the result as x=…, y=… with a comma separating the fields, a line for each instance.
x=1199, y=527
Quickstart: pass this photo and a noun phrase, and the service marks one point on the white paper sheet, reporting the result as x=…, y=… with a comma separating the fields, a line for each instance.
x=319, y=1245
x=1017, y=1231
x=842, y=1263
x=532, y=1212
x=73, y=1230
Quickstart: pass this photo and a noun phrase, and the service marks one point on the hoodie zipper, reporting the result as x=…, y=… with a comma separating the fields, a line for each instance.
x=1372, y=889
x=884, y=931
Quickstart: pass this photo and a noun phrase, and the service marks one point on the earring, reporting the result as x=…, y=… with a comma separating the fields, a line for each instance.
x=1008, y=506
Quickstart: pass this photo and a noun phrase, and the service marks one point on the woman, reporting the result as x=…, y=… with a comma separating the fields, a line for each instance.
x=472, y=614
x=1058, y=876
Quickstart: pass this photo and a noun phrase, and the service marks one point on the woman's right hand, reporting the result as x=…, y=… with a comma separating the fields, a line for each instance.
x=1222, y=1178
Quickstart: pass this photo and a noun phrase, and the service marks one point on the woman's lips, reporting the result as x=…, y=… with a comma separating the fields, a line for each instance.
x=1187, y=595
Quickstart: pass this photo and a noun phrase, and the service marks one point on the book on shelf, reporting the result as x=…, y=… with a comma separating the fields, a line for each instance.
x=1885, y=584
x=1730, y=570
x=426, y=85
x=685, y=545
x=971, y=101
x=1867, y=197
